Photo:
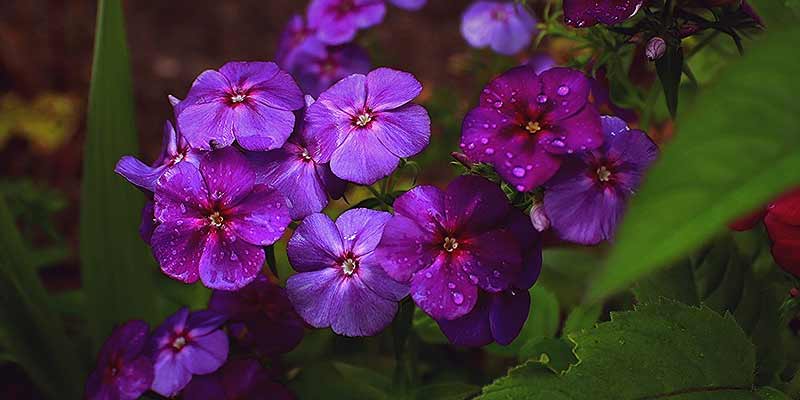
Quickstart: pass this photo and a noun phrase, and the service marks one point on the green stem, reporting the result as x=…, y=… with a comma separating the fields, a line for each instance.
x=404, y=353
x=379, y=196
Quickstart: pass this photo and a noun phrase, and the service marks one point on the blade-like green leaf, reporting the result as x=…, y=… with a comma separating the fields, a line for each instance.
x=660, y=351
x=31, y=334
x=736, y=150
x=670, y=68
x=114, y=266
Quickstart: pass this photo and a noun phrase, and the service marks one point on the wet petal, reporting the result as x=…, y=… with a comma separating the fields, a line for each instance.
x=204, y=115
x=358, y=311
x=361, y=229
x=265, y=83
x=229, y=263
x=313, y=293
x=204, y=354
x=170, y=375
x=261, y=217
x=181, y=193
x=315, y=244
x=388, y=89
x=139, y=174
x=509, y=311
x=363, y=159
x=178, y=246
x=473, y=329
x=260, y=127
x=405, y=248
x=492, y=259
x=370, y=271
x=443, y=291
x=330, y=119
x=567, y=91
x=228, y=176
x=474, y=204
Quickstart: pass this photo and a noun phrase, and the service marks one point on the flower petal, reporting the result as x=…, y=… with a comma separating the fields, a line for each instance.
x=473, y=329
x=265, y=83
x=474, y=204
x=363, y=159
x=204, y=115
x=567, y=91
x=205, y=354
x=405, y=248
x=492, y=259
x=170, y=375
x=361, y=229
x=228, y=263
x=312, y=294
x=370, y=271
x=139, y=174
x=329, y=120
x=358, y=311
x=577, y=133
x=443, y=291
x=260, y=128
x=261, y=217
x=405, y=131
x=315, y=244
x=181, y=193
x=178, y=246
x=388, y=89
x=228, y=176
x=787, y=207
x=509, y=311
x=203, y=322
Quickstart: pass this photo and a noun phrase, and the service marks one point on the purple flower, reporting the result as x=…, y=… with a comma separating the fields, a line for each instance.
x=187, y=344
x=262, y=315
x=499, y=317
x=251, y=102
x=148, y=223
x=587, y=198
x=174, y=150
x=213, y=221
x=236, y=380
x=411, y=5
x=538, y=217
x=296, y=38
x=541, y=62
x=451, y=244
x=123, y=372
x=655, y=48
x=363, y=125
x=337, y=21
x=316, y=70
x=295, y=170
x=506, y=27
x=340, y=283
x=584, y=13
x=526, y=123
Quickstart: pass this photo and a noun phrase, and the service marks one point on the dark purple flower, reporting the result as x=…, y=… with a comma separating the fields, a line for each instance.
x=411, y=5
x=251, y=102
x=213, y=221
x=268, y=320
x=187, y=344
x=337, y=21
x=499, y=317
x=526, y=123
x=295, y=170
x=363, y=125
x=174, y=150
x=584, y=13
x=340, y=283
x=236, y=380
x=296, y=38
x=587, y=198
x=451, y=244
x=317, y=70
x=123, y=372
x=506, y=27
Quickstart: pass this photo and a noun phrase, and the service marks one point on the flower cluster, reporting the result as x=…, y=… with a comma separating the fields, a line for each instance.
x=505, y=27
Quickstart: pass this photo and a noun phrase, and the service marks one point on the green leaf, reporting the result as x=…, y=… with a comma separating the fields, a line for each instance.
x=371, y=384
x=582, y=317
x=670, y=68
x=446, y=391
x=115, y=266
x=427, y=329
x=326, y=380
x=659, y=351
x=554, y=353
x=735, y=151
x=31, y=333
x=543, y=321
x=768, y=393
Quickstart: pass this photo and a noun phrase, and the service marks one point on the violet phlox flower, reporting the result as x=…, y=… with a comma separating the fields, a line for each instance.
x=250, y=102
x=526, y=124
x=585, y=13
x=187, y=344
x=505, y=26
x=297, y=37
x=340, y=283
x=363, y=124
x=316, y=70
x=586, y=199
x=337, y=21
x=123, y=371
x=214, y=220
x=450, y=245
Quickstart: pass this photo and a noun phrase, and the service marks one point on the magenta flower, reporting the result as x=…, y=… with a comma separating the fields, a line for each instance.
x=526, y=123
x=123, y=372
x=587, y=198
x=363, y=125
x=505, y=27
x=261, y=316
x=187, y=344
x=237, y=380
x=213, y=221
x=296, y=38
x=340, y=283
x=175, y=149
x=499, y=317
x=449, y=245
x=251, y=102
x=411, y=5
x=296, y=171
x=337, y=21
x=585, y=13
x=316, y=70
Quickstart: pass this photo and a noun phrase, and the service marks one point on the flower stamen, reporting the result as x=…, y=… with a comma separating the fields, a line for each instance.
x=179, y=343
x=216, y=219
x=533, y=127
x=450, y=244
x=349, y=266
x=238, y=98
x=603, y=174
x=363, y=119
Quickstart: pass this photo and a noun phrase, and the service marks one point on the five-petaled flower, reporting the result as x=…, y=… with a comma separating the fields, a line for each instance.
x=506, y=27
x=340, y=283
x=337, y=21
x=214, y=220
x=123, y=371
x=526, y=123
x=316, y=70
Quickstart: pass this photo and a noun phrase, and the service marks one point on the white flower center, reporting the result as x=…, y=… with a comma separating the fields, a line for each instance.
x=179, y=342
x=238, y=98
x=216, y=219
x=349, y=266
x=450, y=244
x=363, y=119
x=603, y=174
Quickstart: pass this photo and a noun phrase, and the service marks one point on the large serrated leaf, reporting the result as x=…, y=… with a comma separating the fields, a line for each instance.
x=660, y=351
x=115, y=267
x=736, y=149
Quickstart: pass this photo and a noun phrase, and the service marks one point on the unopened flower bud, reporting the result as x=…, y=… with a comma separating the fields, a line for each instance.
x=462, y=158
x=655, y=48
x=688, y=29
x=539, y=218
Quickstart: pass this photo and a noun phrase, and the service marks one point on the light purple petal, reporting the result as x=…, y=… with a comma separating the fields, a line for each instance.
x=371, y=272
x=405, y=131
x=473, y=329
x=260, y=128
x=181, y=193
x=178, y=247
x=361, y=229
x=515, y=33
x=139, y=174
x=474, y=204
x=330, y=119
x=261, y=217
x=312, y=294
x=411, y=5
x=405, y=248
x=509, y=311
x=228, y=175
x=265, y=83
x=358, y=311
x=228, y=263
x=171, y=376
x=504, y=26
x=316, y=244
x=204, y=117
x=492, y=259
x=205, y=354
x=443, y=291
x=203, y=322
x=388, y=89
x=363, y=159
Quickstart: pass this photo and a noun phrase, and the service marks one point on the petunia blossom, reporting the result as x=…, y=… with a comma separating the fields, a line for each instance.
x=316, y=70
x=296, y=171
x=451, y=245
x=526, y=124
x=242, y=379
x=499, y=317
x=260, y=315
x=214, y=220
x=340, y=283
x=250, y=102
x=337, y=21
x=585, y=13
x=506, y=27
x=363, y=124
x=187, y=344
x=123, y=371
x=586, y=199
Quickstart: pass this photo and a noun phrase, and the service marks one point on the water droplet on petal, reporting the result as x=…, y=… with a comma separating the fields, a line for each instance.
x=518, y=172
x=562, y=90
x=458, y=298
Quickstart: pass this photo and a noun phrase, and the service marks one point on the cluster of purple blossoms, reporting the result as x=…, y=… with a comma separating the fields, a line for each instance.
x=585, y=13
x=337, y=21
x=507, y=27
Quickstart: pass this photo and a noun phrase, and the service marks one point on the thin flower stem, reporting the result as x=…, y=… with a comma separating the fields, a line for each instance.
x=379, y=196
